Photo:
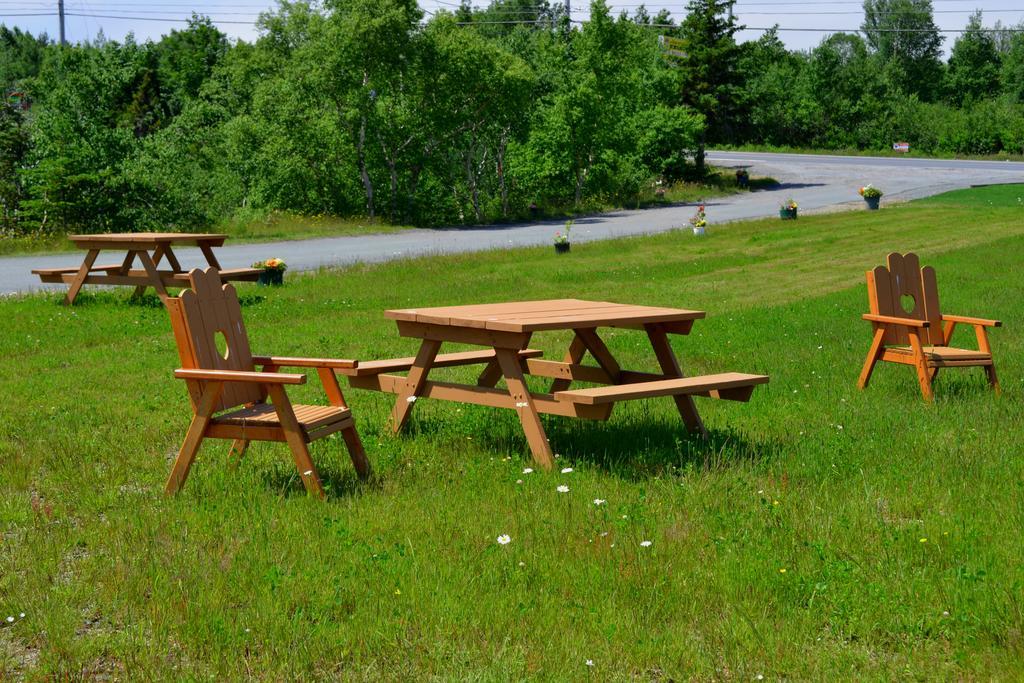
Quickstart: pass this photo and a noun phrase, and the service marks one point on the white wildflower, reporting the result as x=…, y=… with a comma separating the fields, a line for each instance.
x=504, y=539
x=645, y=544
x=563, y=489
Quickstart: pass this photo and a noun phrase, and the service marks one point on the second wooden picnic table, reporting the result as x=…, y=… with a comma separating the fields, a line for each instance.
x=149, y=248
x=507, y=328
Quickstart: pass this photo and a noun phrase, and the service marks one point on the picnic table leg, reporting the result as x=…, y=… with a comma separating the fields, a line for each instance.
x=208, y=253
x=83, y=272
x=491, y=373
x=158, y=255
x=577, y=349
x=172, y=259
x=670, y=368
x=600, y=352
x=413, y=383
x=508, y=359
x=154, y=276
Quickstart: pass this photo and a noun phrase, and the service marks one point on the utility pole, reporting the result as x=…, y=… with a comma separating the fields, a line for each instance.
x=60, y=11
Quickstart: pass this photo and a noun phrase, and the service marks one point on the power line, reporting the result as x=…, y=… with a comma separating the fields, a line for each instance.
x=144, y=11
x=135, y=18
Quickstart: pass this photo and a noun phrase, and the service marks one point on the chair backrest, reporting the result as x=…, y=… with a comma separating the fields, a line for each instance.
x=905, y=277
x=206, y=319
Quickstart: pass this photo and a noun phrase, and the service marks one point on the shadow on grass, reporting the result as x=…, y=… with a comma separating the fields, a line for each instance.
x=337, y=476
x=632, y=446
x=640, y=449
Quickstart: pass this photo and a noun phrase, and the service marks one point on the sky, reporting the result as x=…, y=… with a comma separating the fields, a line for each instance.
x=150, y=20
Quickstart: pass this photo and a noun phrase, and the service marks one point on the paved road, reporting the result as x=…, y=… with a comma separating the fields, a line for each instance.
x=817, y=183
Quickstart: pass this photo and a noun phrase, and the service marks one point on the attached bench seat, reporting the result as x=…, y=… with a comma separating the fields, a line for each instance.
x=61, y=275
x=444, y=360
x=54, y=274
x=734, y=386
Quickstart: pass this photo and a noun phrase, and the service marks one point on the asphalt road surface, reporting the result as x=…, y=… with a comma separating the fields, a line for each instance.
x=816, y=182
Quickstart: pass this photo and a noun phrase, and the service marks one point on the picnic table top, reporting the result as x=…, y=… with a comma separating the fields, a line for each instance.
x=145, y=238
x=552, y=314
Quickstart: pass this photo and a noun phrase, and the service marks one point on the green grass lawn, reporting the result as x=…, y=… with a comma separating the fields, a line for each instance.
x=821, y=532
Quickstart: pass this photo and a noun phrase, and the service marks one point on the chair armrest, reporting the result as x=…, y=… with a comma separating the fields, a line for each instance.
x=892, y=320
x=285, y=362
x=240, y=376
x=967, y=320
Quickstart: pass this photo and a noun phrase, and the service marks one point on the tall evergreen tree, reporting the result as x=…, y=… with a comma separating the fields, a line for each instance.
x=711, y=77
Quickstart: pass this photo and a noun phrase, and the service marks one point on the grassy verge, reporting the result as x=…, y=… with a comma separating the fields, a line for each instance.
x=852, y=152
x=821, y=529
x=277, y=226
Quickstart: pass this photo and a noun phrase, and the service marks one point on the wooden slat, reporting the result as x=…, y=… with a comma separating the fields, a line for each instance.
x=74, y=269
x=527, y=316
x=290, y=362
x=946, y=352
x=930, y=306
x=264, y=414
x=239, y=376
x=443, y=314
x=443, y=360
x=143, y=240
x=667, y=387
x=464, y=335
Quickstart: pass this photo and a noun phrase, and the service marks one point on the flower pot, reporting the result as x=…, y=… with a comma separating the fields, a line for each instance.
x=271, y=277
x=787, y=214
x=698, y=230
x=872, y=203
x=561, y=247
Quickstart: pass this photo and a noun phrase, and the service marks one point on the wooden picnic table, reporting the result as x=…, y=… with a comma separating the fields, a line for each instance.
x=150, y=248
x=507, y=328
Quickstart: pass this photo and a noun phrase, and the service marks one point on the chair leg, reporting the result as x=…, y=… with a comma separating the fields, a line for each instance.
x=238, y=448
x=296, y=441
x=990, y=371
x=193, y=438
x=877, y=347
x=356, y=452
x=924, y=378
x=186, y=455
x=935, y=373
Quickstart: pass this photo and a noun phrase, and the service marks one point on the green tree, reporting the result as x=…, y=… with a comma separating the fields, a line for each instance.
x=1012, y=72
x=973, y=64
x=903, y=35
x=711, y=77
x=186, y=58
x=21, y=56
x=14, y=147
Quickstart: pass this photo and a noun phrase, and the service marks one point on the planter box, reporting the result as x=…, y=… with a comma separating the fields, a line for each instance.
x=872, y=203
x=562, y=247
x=271, y=278
x=698, y=231
x=787, y=214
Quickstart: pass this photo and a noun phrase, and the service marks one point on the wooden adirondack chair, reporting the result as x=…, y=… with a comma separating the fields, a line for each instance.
x=229, y=396
x=916, y=333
